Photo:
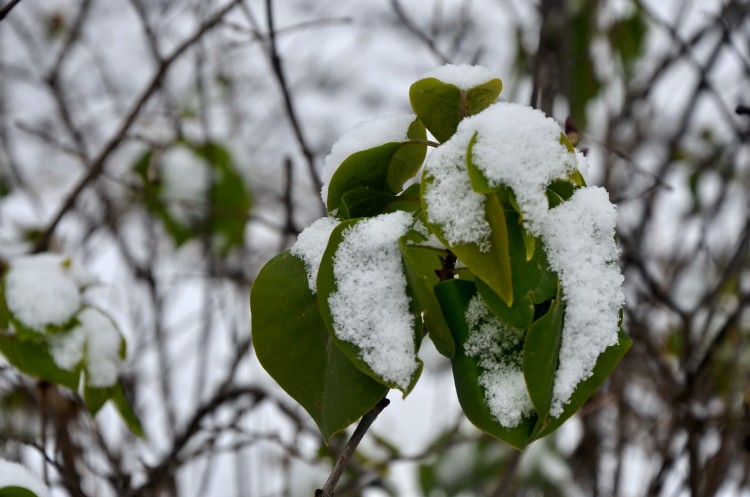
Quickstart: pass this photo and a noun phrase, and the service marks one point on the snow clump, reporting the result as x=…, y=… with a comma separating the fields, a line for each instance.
x=99, y=339
x=311, y=244
x=498, y=350
x=186, y=180
x=463, y=76
x=370, y=307
x=44, y=290
x=579, y=238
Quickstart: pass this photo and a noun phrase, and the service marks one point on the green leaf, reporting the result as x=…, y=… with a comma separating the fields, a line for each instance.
x=230, y=201
x=441, y=106
x=479, y=182
x=493, y=266
x=363, y=202
x=96, y=397
x=454, y=297
x=420, y=264
x=227, y=205
x=437, y=105
x=326, y=284
x=519, y=315
x=125, y=408
x=604, y=367
x=531, y=278
x=407, y=201
x=480, y=97
x=13, y=491
x=540, y=356
x=145, y=168
x=33, y=358
x=295, y=348
x=384, y=168
x=4, y=312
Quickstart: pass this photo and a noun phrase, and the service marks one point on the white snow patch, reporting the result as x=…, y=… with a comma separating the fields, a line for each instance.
x=451, y=202
x=579, y=238
x=99, y=339
x=67, y=348
x=363, y=136
x=370, y=307
x=498, y=349
x=463, y=76
x=311, y=244
x=14, y=475
x=519, y=147
x=186, y=180
x=43, y=290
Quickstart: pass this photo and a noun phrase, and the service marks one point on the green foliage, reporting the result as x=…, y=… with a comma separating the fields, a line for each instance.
x=221, y=215
x=296, y=337
x=29, y=350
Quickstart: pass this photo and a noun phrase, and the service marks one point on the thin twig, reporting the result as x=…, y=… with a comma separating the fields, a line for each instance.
x=412, y=28
x=343, y=461
x=278, y=71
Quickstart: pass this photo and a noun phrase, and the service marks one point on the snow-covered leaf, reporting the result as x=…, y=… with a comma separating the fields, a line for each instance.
x=295, y=348
x=33, y=358
x=489, y=260
x=605, y=365
x=383, y=168
x=364, y=302
x=455, y=298
x=450, y=93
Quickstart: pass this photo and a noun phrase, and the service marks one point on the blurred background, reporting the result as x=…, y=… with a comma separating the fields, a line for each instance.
x=103, y=103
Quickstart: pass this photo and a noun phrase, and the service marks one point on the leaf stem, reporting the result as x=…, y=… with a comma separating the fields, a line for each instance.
x=343, y=460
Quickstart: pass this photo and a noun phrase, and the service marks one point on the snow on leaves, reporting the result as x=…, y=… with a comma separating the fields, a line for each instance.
x=53, y=334
x=500, y=254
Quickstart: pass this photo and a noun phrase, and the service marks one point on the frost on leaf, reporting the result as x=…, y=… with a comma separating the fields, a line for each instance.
x=311, y=244
x=370, y=307
x=365, y=135
x=44, y=289
x=498, y=349
x=579, y=238
x=451, y=203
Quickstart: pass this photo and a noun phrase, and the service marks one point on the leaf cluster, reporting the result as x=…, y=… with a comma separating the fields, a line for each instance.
x=297, y=340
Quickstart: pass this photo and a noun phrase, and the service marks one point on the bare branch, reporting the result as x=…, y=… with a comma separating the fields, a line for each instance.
x=7, y=8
